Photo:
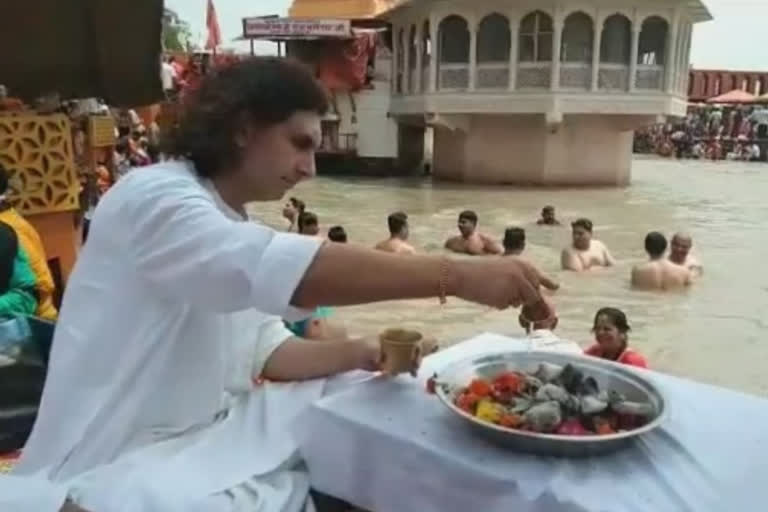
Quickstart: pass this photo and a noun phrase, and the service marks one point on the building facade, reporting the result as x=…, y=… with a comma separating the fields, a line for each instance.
x=708, y=83
x=521, y=91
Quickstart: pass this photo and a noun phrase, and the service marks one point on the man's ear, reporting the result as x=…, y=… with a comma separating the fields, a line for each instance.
x=244, y=131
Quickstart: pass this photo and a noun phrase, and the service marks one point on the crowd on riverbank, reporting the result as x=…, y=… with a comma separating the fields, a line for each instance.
x=712, y=133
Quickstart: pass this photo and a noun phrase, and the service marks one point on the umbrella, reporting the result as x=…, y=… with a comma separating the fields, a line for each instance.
x=734, y=96
x=82, y=48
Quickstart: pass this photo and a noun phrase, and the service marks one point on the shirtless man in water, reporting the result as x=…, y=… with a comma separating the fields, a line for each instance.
x=471, y=241
x=548, y=217
x=585, y=252
x=398, y=234
x=680, y=254
x=659, y=273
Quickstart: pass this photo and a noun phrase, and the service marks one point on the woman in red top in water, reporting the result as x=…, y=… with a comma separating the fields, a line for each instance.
x=612, y=335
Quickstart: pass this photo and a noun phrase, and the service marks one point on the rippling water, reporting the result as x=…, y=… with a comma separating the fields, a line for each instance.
x=715, y=332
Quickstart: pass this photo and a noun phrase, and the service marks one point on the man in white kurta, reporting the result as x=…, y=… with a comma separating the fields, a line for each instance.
x=131, y=431
x=149, y=404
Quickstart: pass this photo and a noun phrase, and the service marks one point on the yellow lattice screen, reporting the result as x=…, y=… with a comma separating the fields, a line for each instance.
x=37, y=153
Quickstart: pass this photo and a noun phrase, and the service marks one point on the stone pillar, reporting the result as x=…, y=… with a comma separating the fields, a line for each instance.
x=514, y=28
x=407, y=61
x=687, y=58
x=680, y=65
x=636, y=29
x=419, y=52
x=596, y=42
x=435, y=54
x=395, y=57
x=472, y=53
x=557, y=41
x=671, y=54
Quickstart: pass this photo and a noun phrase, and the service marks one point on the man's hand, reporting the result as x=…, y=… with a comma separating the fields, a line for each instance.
x=498, y=282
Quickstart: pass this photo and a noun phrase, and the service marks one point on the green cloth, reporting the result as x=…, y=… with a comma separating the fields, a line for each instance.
x=300, y=328
x=20, y=299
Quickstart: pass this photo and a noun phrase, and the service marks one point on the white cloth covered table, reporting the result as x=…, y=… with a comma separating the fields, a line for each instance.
x=388, y=446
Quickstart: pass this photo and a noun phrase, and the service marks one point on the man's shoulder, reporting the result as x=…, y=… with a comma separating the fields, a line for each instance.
x=160, y=178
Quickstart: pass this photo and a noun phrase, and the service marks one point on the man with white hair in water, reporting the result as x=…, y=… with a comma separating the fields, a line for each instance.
x=680, y=254
x=658, y=273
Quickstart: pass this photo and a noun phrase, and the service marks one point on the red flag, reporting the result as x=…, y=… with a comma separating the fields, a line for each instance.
x=214, y=32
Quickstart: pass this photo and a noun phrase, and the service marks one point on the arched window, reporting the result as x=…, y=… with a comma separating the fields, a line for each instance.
x=578, y=33
x=616, y=43
x=536, y=38
x=493, y=39
x=653, y=41
x=453, y=35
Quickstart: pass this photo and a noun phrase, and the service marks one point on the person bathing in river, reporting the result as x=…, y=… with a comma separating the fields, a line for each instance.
x=337, y=234
x=680, y=254
x=309, y=224
x=514, y=245
x=470, y=240
x=398, y=235
x=611, y=330
x=514, y=241
x=548, y=217
x=291, y=211
x=659, y=273
x=585, y=252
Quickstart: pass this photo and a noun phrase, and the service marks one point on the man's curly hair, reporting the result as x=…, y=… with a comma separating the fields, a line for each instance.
x=262, y=90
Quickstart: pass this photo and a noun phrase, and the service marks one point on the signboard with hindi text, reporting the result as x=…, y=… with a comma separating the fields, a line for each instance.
x=265, y=28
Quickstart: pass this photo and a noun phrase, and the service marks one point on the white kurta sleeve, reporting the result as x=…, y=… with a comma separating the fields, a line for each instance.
x=186, y=248
x=260, y=338
x=30, y=494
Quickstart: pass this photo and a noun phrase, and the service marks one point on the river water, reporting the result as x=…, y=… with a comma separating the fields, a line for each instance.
x=715, y=332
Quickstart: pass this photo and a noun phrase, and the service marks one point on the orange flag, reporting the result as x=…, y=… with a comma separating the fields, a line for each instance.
x=214, y=32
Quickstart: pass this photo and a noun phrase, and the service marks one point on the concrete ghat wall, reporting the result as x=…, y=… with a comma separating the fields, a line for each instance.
x=521, y=149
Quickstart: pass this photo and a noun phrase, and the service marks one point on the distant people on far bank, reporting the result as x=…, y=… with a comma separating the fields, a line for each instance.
x=680, y=254
x=659, y=273
x=470, y=240
x=291, y=211
x=585, y=252
x=337, y=234
x=548, y=217
x=398, y=235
